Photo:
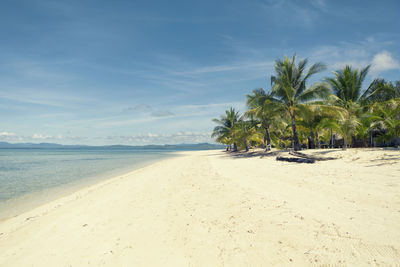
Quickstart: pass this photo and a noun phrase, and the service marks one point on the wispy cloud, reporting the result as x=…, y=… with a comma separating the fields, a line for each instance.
x=43, y=97
x=295, y=14
x=238, y=66
x=148, y=110
x=320, y=3
x=29, y=69
x=162, y=113
x=138, y=108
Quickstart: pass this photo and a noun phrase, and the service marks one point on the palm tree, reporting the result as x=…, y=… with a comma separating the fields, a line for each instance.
x=327, y=125
x=347, y=85
x=350, y=98
x=244, y=132
x=225, y=130
x=380, y=91
x=265, y=111
x=389, y=116
x=289, y=88
x=313, y=119
x=280, y=132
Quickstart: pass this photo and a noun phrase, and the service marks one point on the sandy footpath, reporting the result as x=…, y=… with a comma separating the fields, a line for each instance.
x=210, y=208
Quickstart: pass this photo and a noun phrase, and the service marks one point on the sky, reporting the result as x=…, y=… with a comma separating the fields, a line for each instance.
x=157, y=72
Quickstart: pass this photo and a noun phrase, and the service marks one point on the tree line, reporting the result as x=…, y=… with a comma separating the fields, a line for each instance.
x=334, y=112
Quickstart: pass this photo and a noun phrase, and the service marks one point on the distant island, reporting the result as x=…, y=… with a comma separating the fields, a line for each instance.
x=200, y=146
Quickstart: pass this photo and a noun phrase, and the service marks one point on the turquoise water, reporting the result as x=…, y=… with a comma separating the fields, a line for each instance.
x=28, y=171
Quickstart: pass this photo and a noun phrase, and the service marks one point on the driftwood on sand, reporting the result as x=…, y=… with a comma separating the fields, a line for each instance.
x=298, y=160
x=302, y=158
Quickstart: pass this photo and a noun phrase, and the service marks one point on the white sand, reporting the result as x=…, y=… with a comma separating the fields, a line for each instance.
x=211, y=209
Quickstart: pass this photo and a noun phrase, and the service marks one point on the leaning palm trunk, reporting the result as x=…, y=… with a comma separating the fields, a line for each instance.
x=296, y=142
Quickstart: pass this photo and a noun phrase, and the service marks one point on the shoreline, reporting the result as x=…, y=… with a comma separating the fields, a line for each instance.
x=25, y=203
x=210, y=208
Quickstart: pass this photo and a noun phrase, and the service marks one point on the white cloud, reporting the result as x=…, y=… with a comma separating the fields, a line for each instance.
x=152, y=135
x=384, y=61
x=6, y=134
x=40, y=136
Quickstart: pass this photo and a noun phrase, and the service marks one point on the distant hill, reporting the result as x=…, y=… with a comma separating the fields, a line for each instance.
x=201, y=146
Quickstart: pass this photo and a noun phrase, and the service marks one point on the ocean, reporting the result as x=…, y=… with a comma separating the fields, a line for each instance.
x=30, y=177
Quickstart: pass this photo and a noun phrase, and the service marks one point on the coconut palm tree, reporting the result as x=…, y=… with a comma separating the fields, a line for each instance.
x=313, y=119
x=289, y=88
x=224, y=132
x=380, y=90
x=388, y=113
x=281, y=133
x=244, y=132
x=351, y=99
x=347, y=85
x=265, y=111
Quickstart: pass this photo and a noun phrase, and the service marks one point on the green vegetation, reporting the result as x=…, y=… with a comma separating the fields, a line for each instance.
x=336, y=112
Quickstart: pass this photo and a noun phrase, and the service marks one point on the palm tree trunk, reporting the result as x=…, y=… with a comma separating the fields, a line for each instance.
x=332, y=145
x=344, y=143
x=296, y=142
x=234, y=147
x=268, y=135
x=372, y=140
x=311, y=139
x=317, y=139
x=246, y=146
x=353, y=141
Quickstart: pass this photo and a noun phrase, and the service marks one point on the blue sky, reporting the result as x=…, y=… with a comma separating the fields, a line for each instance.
x=155, y=72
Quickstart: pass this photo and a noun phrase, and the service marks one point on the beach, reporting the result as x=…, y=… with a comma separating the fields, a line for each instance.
x=212, y=208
